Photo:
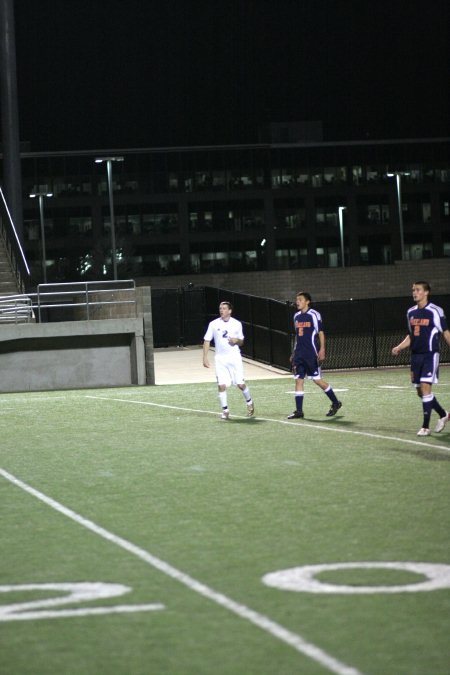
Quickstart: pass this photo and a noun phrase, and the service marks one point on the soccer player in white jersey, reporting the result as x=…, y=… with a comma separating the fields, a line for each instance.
x=228, y=337
x=426, y=323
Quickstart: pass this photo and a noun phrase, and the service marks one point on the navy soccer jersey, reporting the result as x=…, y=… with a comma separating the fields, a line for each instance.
x=307, y=327
x=425, y=326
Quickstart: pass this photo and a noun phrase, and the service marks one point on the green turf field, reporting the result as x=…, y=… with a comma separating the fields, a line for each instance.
x=171, y=518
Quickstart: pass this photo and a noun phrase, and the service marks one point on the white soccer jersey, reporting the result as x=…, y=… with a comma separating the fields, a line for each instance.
x=220, y=331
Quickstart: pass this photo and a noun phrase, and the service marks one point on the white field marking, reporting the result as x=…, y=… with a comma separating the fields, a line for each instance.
x=309, y=425
x=74, y=592
x=314, y=391
x=276, y=630
x=302, y=578
x=391, y=386
x=26, y=400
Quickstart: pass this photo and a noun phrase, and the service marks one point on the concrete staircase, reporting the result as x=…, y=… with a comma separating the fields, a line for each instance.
x=8, y=281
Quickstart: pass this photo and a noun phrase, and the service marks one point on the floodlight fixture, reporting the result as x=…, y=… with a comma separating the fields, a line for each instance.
x=109, y=161
x=40, y=194
x=398, y=178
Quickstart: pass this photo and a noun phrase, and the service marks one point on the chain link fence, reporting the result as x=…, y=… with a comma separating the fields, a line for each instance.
x=359, y=333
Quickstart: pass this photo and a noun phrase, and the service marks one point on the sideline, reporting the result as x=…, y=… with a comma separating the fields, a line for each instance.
x=309, y=425
x=260, y=620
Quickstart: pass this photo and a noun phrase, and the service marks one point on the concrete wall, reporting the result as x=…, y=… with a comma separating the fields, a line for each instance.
x=72, y=355
x=377, y=281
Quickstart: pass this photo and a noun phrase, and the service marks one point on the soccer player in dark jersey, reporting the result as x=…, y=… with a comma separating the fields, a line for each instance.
x=306, y=357
x=426, y=323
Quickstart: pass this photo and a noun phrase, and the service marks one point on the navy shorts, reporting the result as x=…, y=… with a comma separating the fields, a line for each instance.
x=306, y=367
x=424, y=368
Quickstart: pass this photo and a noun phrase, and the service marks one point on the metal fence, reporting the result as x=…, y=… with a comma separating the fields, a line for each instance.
x=360, y=333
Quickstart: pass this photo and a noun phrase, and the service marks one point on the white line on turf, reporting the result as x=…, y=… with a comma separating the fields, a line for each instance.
x=309, y=425
x=265, y=623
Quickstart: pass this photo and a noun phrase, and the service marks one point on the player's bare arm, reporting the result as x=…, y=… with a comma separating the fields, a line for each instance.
x=446, y=335
x=206, y=345
x=404, y=344
x=321, y=352
x=235, y=341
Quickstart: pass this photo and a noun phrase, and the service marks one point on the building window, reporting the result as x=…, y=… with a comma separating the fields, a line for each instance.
x=373, y=214
x=327, y=215
x=418, y=251
x=290, y=214
x=426, y=212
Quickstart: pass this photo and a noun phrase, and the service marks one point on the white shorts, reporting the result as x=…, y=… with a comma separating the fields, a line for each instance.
x=229, y=372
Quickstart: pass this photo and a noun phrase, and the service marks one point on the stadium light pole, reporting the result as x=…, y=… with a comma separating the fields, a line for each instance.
x=341, y=210
x=109, y=161
x=398, y=179
x=40, y=196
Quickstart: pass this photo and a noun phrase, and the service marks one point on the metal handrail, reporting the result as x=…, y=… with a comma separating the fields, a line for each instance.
x=14, y=247
x=84, y=290
x=16, y=309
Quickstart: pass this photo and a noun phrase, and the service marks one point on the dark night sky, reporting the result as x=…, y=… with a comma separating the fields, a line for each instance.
x=98, y=74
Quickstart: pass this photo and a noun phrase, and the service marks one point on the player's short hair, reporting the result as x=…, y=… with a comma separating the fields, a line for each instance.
x=227, y=302
x=425, y=285
x=305, y=295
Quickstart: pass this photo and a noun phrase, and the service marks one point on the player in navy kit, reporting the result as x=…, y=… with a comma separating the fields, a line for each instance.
x=306, y=357
x=426, y=323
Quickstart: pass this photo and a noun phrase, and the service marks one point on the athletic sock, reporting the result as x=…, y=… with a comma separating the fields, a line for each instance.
x=437, y=407
x=247, y=395
x=427, y=405
x=331, y=395
x=299, y=401
x=223, y=399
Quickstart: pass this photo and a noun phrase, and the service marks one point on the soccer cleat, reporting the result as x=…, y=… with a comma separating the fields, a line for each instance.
x=424, y=432
x=334, y=408
x=440, y=424
x=296, y=415
x=250, y=409
x=225, y=415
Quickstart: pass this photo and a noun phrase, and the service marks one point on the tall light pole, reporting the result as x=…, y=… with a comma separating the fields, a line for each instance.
x=341, y=210
x=398, y=177
x=40, y=196
x=109, y=161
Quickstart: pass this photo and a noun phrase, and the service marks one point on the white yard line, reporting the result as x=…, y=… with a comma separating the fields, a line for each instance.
x=310, y=425
x=260, y=620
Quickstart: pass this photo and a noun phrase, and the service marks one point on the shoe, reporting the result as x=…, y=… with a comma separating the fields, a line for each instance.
x=334, y=408
x=424, y=432
x=225, y=415
x=440, y=424
x=250, y=409
x=296, y=415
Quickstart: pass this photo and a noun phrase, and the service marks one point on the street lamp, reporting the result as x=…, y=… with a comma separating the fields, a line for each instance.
x=398, y=177
x=40, y=196
x=109, y=161
x=341, y=210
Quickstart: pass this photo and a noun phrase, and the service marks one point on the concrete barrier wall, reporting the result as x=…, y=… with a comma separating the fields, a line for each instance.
x=72, y=355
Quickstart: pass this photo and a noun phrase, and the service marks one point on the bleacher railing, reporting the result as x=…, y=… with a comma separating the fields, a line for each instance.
x=16, y=309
